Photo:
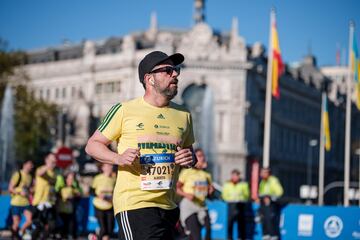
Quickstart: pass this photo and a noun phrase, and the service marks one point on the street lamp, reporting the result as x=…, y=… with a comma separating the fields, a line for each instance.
x=312, y=143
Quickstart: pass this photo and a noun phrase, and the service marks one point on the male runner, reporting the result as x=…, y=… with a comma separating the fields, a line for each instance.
x=154, y=138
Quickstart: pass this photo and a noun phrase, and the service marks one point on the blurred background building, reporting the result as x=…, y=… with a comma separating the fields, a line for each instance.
x=222, y=83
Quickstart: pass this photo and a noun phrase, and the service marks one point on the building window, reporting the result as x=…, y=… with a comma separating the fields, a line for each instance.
x=261, y=134
x=262, y=95
x=109, y=87
x=57, y=93
x=298, y=143
x=80, y=93
x=117, y=86
x=48, y=94
x=285, y=141
x=73, y=92
x=220, y=135
x=64, y=93
x=98, y=88
x=112, y=87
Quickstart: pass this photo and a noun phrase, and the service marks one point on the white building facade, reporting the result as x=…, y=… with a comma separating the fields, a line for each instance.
x=90, y=77
x=222, y=82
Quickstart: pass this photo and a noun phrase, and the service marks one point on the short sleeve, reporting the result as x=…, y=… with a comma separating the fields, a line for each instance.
x=189, y=134
x=111, y=125
x=14, y=178
x=182, y=176
x=209, y=179
x=95, y=182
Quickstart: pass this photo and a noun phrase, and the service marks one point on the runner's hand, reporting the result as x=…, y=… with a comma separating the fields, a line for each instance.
x=128, y=157
x=184, y=157
x=101, y=196
x=189, y=196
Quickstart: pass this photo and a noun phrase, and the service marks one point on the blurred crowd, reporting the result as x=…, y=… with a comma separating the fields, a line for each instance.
x=48, y=197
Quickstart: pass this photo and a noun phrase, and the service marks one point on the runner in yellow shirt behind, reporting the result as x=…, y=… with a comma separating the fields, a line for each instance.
x=45, y=198
x=195, y=185
x=19, y=188
x=66, y=206
x=103, y=187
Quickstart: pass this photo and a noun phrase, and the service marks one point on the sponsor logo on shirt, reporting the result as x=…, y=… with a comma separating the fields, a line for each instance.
x=163, y=133
x=157, y=145
x=160, y=116
x=161, y=126
x=140, y=126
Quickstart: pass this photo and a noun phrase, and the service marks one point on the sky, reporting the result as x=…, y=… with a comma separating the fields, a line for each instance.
x=304, y=26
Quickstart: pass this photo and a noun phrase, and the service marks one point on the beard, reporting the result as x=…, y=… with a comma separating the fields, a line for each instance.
x=170, y=91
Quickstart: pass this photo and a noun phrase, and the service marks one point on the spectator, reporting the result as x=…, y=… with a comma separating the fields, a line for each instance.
x=66, y=206
x=236, y=193
x=270, y=190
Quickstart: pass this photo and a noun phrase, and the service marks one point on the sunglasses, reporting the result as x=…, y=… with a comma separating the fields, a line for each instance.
x=168, y=69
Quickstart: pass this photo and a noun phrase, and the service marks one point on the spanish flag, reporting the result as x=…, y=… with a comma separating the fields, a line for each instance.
x=277, y=63
x=326, y=124
x=355, y=68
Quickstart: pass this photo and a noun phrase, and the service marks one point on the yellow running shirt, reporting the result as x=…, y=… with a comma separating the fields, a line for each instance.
x=196, y=182
x=24, y=185
x=103, y=184
x=65, y=203
x=44, y=188
x=151, y=180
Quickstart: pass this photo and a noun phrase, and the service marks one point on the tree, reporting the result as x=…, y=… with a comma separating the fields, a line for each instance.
x=34, y=118
x=8, y=60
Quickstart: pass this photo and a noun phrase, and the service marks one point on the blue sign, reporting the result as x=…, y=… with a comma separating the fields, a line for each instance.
x=218, y=211
x=4, y=211
x=218, y=219
x=312, y=222
x=297, y=221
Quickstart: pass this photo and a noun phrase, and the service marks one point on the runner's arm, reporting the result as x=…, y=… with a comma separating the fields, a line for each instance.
x=97, y=147
x=180, y=191
x=11, y=186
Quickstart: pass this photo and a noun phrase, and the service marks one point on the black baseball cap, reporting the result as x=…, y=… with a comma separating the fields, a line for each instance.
x=155, y=58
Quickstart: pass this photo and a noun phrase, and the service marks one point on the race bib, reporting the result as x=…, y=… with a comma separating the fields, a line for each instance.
x=157, y=171
x=201, y=189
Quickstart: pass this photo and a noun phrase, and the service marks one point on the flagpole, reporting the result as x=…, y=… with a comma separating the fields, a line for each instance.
x=267, y=123
x=348, y=121
x=322, y=152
